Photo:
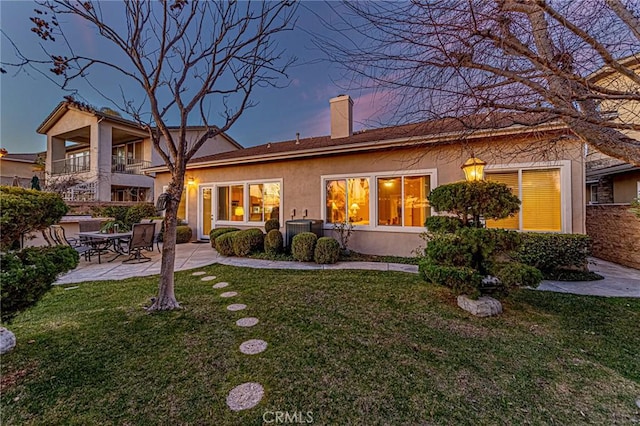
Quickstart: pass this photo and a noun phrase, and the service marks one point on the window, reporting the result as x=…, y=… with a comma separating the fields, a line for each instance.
x=402, y=200
x=593, y=196
x=263, y=202
x=264, y=199
x=347, y=199
x=182, y=207
x=541, y=196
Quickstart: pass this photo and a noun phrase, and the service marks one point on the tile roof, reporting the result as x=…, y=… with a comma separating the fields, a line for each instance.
x=26, y=157
x=415, y=131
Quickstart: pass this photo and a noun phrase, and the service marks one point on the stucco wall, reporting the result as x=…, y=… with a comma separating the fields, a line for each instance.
x=10, y=169
x=302, y=186
x=615, y=234
x=625, y=187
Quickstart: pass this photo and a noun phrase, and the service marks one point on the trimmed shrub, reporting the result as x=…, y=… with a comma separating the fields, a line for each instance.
x=116, y=212
x=183, y=234
x=552, y=252
x=215, y=233
x=139, y=211
x=460, y=279
x=516, y=274
x=271, y=224
x=303, y=246
x=247, y=241
x=443, y=224
x=273, y=242
x=224, y=243
x=27, y=275
x=25, y=210
x=327, y=250
x=472, y=200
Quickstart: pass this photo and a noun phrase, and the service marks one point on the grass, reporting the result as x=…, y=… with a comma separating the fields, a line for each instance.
x=351, y=257
x=351, y=347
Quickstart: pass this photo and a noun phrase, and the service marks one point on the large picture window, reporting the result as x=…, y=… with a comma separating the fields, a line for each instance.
x=262, y=202
x=402, y=200
x=348, y=200
x=541, y=196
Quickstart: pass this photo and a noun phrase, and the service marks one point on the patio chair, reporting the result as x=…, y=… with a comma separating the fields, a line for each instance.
x=142, y=236
x=156, y=236
x=57, y=235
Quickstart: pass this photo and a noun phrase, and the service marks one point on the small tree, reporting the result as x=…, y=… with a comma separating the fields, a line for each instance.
x=472, y=200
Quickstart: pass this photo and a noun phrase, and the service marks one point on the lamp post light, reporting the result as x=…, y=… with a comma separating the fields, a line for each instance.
x=473, y=169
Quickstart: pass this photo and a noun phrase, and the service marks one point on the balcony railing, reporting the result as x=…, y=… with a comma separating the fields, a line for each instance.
x=71, y=165
x=131, y=166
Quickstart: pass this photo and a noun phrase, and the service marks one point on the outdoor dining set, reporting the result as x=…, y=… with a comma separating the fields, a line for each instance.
x=91, y=241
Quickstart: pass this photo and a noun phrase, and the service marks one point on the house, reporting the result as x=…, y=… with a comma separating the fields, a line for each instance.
x=19, y=169
x=379, y=179
x=102, y=155
x=610, y=180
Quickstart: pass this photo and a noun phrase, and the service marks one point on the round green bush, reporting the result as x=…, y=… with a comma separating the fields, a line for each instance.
x=25, y=276
x=139, y=211
x=273, y=242
x=215, y=233
x=303, y=246
x=224, y=243
x=183, y=234
x=327, y=250
x=443, y=224
x=271, y=224
x=247, y=241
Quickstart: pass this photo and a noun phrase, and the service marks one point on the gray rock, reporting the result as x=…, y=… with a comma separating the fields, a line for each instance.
x=7, y=340
x=485, y=306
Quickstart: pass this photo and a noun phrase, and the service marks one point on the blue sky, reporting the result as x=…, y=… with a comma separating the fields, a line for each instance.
x=27, y=98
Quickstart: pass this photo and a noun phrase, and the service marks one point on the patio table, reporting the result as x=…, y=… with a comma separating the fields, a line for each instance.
x=111, y=242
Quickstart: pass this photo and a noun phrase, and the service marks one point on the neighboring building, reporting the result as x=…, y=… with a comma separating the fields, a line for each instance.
x=19, y=169
x=104, y=155
x=379, y=179
x=610, y=180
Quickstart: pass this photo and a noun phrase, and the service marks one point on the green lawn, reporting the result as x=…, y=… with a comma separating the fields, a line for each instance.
x=352, y=347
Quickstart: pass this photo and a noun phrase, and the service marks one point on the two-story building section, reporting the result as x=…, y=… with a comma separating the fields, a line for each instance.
x=103, y=156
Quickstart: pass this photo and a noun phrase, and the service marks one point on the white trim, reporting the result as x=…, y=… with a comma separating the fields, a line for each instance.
x=373, y=197
x=566, y=216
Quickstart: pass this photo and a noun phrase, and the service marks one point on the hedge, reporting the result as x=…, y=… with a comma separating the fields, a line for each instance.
x=224, y=243
x=303, y=246
x=460, y=279
x=25, y=276
x=247, y=241
x=271, y=224
x=552, y=252
x=215, y=233
x=516, y=274
x=327, y=250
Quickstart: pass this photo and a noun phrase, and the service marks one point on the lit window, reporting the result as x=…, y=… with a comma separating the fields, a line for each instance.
x=264, y=199
x=348, y=199
x=263, y=202
x=402, y=201
x=540, y=193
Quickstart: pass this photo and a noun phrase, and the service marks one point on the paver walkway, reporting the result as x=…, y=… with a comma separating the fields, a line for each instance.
x=619, y=281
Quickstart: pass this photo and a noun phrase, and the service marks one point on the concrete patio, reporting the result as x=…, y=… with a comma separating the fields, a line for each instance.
x=619, y=281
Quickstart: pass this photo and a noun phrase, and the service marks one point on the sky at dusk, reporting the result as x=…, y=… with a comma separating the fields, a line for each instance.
x=303, y=106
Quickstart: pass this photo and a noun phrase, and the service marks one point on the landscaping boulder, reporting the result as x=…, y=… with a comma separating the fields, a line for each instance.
x=485, y=306
x=7, y=340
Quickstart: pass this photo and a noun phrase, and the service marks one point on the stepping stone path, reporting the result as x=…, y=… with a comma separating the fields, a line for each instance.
x=221, y=285
x=199, y=273
x=208, y=278
x=247, y=322
x=236, y=307
x=245, y=396
x=253, y=346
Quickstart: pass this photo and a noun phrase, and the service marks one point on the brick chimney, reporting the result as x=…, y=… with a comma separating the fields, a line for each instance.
x=341, y=116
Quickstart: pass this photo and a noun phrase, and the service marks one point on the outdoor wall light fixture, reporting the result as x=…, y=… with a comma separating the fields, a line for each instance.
x=190, y=180
x=473, y=169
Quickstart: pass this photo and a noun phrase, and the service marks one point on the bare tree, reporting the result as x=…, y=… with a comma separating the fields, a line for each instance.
x=460, y=57
x=187, y=57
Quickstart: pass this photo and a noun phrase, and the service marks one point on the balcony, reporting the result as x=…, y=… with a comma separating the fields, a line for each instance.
x=71, y=165
x=130, y=166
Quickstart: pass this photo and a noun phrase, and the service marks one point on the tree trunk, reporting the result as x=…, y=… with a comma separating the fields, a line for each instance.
x=166, y=299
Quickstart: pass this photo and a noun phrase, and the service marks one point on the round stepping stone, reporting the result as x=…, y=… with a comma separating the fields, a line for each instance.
x=245, y=396
x=220, y=285
x=208, y=278
x=253, y=346
x=199, y=273
x=236, y=307
x=229, y=294
x=247, y=322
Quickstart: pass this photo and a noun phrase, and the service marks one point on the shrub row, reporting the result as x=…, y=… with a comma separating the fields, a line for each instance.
x=27, y=275
x=553, y=252
x=215, y=233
